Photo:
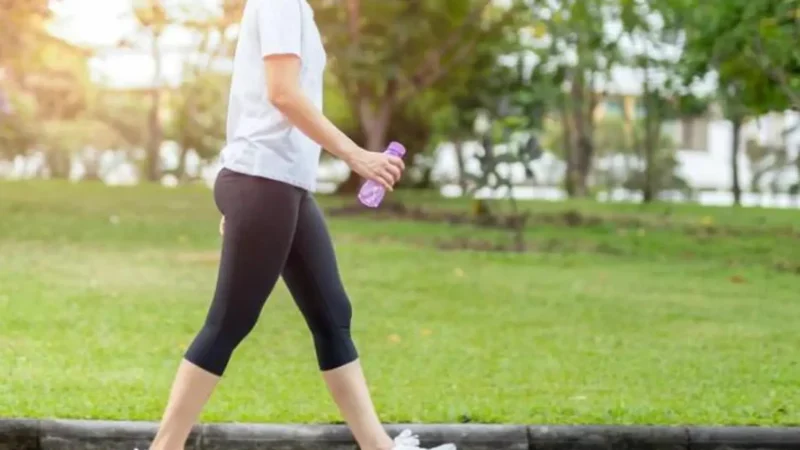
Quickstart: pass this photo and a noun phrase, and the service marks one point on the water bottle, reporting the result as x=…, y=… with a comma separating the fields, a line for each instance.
x=371, y=193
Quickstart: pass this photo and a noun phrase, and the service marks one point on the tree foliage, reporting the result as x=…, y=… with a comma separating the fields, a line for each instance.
x=18, y=126
x=579, y=51
x=22, y=25
x=750, y=47
x=385, y=55
x=421, y=72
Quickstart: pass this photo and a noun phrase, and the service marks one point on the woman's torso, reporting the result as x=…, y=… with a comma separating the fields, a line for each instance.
x=260, y=140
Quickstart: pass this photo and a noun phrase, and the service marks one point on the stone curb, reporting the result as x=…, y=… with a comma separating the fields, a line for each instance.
x=26, y=434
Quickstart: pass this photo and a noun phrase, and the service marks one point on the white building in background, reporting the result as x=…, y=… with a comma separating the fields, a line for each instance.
x=704, y=159
x=704, y=147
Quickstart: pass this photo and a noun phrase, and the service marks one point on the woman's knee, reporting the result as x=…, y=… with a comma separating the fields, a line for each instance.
x=214, y=345
x=332, y=315
x=342, y=311
x=331, y=331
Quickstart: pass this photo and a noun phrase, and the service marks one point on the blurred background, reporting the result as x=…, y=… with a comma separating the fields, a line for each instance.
x=624, y=100
x=590, y=181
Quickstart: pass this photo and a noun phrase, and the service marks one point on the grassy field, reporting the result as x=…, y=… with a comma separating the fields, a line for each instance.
x=683, y=315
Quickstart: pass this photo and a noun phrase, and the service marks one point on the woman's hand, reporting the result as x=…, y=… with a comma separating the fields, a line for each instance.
x=222, y=226
x=283, y=75
x=283, y=72
x=381, y=168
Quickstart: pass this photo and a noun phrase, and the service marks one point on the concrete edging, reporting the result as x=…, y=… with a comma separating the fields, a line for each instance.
x=27, y=434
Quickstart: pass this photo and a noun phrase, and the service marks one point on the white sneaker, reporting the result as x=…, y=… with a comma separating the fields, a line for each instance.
x=408, y=441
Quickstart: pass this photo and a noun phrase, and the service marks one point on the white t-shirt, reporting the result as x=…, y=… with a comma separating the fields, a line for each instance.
x=260, y=140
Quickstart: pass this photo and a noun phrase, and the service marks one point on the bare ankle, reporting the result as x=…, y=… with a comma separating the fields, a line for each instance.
x=165, y=443
x=385, y=443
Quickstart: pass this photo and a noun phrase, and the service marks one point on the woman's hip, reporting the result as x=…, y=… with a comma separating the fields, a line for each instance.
x=237, y=193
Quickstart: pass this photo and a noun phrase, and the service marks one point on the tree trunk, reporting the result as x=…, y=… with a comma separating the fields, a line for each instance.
x=91, y=164
x=59, y=164
x=650, y=142
x=736, y=187
x=583, y=167
x=583, y=147
x=180, y=171
x=648, y=193
x=797, y=185
x=568, y=144
x=375, y=131
x=653, y=122
x=376, y=135
x=462, y=169
x=153, y=147
x=648, y=184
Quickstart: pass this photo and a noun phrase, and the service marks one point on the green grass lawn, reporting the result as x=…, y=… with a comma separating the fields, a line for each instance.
x=101, y=290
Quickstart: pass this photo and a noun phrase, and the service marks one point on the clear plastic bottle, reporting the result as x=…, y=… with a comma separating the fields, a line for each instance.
x=372, y=193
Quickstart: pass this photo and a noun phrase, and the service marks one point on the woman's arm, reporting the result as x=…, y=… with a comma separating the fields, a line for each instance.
x=283, y=86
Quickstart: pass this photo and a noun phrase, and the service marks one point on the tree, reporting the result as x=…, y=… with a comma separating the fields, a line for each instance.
x=509, y=117
x=506, y=140
x=487, y=83
x=18, y=126
x=153, y=20
x=123, y=111
x=580, y=51
x=764, y=160
x=751, y=48
x=614, y=141
x=64, y=140
x=384, y=54
x=198, y=116
x=661, y=103
x=412, y=125
x=22, y=24
x=47, y=87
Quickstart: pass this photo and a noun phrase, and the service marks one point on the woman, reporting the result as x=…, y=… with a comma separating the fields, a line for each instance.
x=272, y=226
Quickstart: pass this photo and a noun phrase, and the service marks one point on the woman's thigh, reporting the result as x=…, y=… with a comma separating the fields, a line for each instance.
x=260, y=221
x=312, y=274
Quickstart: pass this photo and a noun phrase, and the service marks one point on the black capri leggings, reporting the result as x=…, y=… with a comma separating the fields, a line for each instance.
x=272, y=229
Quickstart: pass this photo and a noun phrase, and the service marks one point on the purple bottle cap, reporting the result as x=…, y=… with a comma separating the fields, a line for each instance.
x=396, y=148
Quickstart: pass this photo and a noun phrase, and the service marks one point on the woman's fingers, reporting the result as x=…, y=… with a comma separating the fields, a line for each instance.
x=386, y=181
x=397, y=162
x=389, y=173
x=394, y=172
x=394, y=166
x=382, y=177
